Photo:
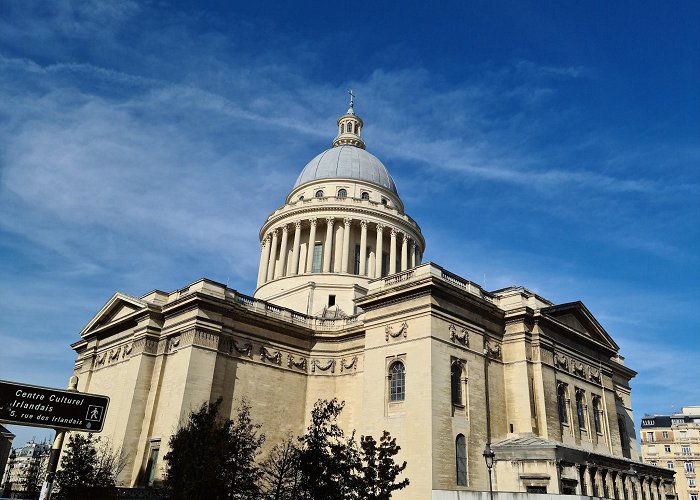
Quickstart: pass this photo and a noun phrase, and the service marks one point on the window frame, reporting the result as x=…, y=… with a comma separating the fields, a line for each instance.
x=457, y=382
x=397, y=385
x=562, y=403
x=461, y=461
x=342, y=193
x=319, y=193
x=580, y=408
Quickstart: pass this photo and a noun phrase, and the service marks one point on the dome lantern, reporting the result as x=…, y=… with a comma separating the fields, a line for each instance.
x=350, y=127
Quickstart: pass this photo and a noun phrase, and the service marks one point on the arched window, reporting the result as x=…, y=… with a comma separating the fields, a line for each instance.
x=456, y=382
x=356, y=127
x=319, y=193
x=561, y=403
x=342, y=128
x=385, y=201
x=461, y=456
x=301, y=198
x=397, y=382
x=579, y=409
x=596, y=413
x=342, y=193
x=364, y=195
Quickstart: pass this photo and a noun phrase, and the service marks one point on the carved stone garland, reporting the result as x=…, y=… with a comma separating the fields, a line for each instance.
x=594, y=374
x=301, y=364
x=330, y=365
x=462, y=337
x=561, y=361
x=493, y=351
x=246, y=350
x=347, y=366
x=403, y=331
x=267, y=355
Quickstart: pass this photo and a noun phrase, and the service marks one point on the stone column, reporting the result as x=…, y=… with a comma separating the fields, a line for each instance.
x=264, y=260
x=346, y=246
x=327, y=247
x=273, y=256
x=404, y=252
x=392, y=252
x=378, y=249
x=295, y=250
x=363, y=247
x=413, y=254
x=279, y=270
x=312, y=244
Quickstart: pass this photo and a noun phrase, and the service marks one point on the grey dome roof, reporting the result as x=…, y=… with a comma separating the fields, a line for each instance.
x=347, y=162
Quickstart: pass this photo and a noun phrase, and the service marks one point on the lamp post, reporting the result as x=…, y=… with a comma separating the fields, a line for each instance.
x=489, y=455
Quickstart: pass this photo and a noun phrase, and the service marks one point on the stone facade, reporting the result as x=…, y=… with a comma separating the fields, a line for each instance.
x=673, y=441
x=441, y=363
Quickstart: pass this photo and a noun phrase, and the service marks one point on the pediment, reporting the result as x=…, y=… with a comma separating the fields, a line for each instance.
x=119, y=306
x=577, y=317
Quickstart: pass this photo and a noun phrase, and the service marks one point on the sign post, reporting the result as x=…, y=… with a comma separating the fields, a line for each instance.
x=62, y=410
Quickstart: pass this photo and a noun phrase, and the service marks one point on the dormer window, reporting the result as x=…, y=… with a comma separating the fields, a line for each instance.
x=385, y=201
x=342, y=193
x=301, y=198
x=319, y=193
x=364, y=195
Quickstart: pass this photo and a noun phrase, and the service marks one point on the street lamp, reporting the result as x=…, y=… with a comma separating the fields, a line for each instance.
x=489, y=455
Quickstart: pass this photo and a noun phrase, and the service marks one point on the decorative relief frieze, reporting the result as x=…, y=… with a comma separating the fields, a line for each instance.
x=173, y=343
x=246, y=349
x=301, y=363
x=561, y=361
x=329, y=366
x=101, y=358
x=389, y=332
x=114, y=353
x=492, y=350
x=462, y=337
x=206, y=339
x=127, y=350
x=352, y=365
x=266, y=355
x=594, y=374
x=578, y=368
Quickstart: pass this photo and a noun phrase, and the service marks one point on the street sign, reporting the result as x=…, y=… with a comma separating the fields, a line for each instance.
x=25, y=404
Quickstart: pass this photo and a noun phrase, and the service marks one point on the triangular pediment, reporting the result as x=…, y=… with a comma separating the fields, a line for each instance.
x=118, y=307
x=576, y=316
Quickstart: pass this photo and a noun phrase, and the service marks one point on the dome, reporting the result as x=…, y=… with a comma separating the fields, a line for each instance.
x=347, y=162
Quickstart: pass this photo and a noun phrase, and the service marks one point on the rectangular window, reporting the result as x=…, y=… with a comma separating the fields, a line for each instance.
x=318, y=255
x=684, y=435
x=667, y=448
x=331, y=300
x=669, y=465
x=685, y=450
x=664, y=434
x=650, y=437
x=152, y=465
x=691, y=482
x=693, y=496
x=689, y=467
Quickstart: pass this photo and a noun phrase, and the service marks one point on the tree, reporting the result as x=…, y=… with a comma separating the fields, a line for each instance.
x=280, y=477
x=88, y=463
x=333, y=466
x=327, y=461
x=213, y=457
x=379, y=470
x=244, y=444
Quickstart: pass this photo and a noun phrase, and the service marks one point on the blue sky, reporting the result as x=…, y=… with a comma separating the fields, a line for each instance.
x=553, y=145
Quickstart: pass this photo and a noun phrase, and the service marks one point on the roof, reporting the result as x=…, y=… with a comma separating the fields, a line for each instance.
x=347, y=162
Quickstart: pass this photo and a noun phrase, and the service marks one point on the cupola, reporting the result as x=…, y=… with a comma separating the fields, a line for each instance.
x=350, y=128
